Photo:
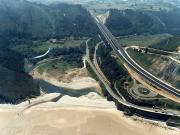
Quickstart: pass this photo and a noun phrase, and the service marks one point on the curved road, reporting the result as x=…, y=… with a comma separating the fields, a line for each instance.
x=120, y=100
x=132, y=64
x=43, y=55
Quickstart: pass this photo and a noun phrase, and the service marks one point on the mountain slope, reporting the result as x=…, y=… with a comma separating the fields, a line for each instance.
x=129, y=22
x=22, y=22
x=12, y=60
x=15, y=84
x=25, y=20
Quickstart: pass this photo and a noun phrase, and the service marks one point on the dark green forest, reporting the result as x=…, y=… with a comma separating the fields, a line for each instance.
x=22, y=21
x=131, y=22
x=12, y=60
x=15, y=84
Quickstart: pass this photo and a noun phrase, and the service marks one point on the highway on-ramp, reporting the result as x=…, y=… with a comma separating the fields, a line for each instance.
x=119, y=99
x=156, y=82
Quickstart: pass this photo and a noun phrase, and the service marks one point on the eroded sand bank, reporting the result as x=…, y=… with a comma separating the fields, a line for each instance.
x=87, y=115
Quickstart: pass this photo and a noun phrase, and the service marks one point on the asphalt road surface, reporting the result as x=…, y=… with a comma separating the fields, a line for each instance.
x=156, y=82
x=119, y=99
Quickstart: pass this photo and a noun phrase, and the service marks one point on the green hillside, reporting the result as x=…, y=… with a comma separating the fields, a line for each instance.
x=22, y=21
x=15, y=84
x=138, y=22
x=129, y=22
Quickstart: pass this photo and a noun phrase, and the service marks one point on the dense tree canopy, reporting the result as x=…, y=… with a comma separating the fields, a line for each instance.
x=129, y=22
x=21, y=20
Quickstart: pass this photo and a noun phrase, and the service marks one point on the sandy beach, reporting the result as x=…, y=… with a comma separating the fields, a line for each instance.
x=75, y=121
x=87, y=115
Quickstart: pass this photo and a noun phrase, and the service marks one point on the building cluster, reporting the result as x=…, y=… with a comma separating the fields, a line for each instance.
x=57, y=41
x=141, y=50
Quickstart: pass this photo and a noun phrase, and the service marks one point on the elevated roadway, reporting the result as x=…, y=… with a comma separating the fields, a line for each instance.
x=119, y=99
x=124, y=57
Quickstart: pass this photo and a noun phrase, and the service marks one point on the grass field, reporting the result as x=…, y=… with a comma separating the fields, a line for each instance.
x=169, y=104
x=170, y=44
x=40, y=47
x=143, y=40
x=60, y=65
x=144, y=60
x=127, y=5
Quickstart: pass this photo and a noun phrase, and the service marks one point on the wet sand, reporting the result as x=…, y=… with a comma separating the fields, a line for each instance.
x=75, y=121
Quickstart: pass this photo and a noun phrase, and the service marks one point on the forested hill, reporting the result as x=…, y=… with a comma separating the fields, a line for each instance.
x=12, y=60
x=15, y=84
x=128, y=22
x=170, y=20
x=22, y=20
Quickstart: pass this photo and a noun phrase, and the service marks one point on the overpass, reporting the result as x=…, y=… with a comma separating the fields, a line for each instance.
x=124, y=57
x=119, y=99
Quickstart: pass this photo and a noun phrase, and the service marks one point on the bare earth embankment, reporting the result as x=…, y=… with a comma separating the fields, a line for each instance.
x=75, y=79
x=89, y=114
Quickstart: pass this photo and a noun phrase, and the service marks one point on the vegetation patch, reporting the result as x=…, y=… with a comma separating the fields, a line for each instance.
x=110, y=67
x=16, y=86
x=61, y=65
x=142, y=40
x=169, y=44
x=130, y=22
x=121, y=5
x=144, y=60
x=23, y=21
x=168, y=103
x=40, y=47
x=139, y=22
